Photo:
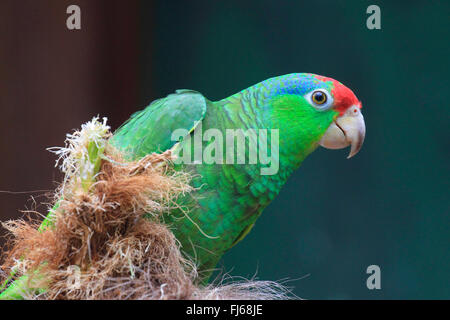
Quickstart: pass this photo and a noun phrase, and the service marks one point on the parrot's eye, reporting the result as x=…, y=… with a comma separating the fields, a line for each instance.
x=318, y=97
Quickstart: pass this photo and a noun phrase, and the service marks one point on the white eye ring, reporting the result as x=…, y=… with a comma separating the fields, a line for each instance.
x=321, y=107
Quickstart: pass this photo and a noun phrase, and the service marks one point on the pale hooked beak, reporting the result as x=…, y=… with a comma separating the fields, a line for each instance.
x=348, y=129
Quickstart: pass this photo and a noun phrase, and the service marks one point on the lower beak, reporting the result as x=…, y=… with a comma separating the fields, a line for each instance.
x=348, y=129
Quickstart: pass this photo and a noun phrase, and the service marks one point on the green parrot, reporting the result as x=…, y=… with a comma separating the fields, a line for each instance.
x=240, y=150
x=306, y=110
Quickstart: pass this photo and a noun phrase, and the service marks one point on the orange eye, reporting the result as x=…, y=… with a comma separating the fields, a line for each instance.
x=319, y=97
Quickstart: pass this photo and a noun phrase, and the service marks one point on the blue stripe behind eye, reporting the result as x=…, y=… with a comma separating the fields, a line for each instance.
x=295, y=83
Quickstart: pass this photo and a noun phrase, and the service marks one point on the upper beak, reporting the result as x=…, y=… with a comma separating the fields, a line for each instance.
x=348, y=129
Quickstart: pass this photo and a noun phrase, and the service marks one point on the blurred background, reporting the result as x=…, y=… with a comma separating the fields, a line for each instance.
x=387, y=206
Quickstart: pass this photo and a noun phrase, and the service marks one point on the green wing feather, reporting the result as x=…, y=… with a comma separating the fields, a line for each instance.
x=150, y=130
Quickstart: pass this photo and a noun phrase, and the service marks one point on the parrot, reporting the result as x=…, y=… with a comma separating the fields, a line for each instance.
x=293, y=114
x=308, y=110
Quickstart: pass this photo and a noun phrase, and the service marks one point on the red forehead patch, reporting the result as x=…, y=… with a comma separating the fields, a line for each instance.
x=343, y=96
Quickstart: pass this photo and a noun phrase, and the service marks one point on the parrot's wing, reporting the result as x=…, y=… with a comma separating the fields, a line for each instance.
x=150, y=130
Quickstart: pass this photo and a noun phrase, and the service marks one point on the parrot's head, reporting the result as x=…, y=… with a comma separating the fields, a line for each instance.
x=348, y=127
x=316, y=110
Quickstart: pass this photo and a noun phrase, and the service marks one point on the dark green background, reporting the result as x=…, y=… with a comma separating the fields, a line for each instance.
x=388, y=205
